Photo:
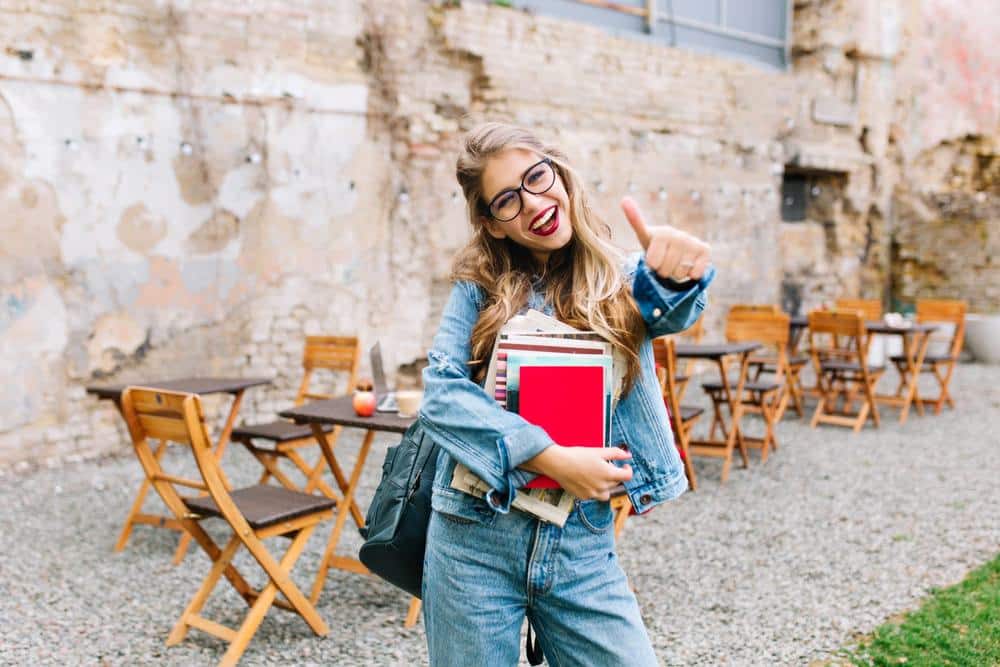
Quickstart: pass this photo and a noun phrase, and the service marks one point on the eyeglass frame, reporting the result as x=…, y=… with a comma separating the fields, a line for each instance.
x=518, y=189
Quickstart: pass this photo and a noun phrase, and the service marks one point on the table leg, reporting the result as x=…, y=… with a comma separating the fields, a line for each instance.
x=733, y=436
x=338, y=473
x=314, y=474
x=915, y=353
x=344, y=507
x=220, y=449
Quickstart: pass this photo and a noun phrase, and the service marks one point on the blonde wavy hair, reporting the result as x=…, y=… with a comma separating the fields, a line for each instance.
x=583, y=280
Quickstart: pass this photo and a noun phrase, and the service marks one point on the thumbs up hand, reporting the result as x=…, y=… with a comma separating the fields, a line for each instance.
x=670, y=252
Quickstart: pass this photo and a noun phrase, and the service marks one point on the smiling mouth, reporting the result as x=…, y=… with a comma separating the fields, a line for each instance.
x=545, y=222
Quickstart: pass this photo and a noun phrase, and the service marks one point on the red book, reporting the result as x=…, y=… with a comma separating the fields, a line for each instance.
x=566, y=401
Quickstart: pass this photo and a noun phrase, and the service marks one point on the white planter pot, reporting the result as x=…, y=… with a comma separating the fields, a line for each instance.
x=982, y=337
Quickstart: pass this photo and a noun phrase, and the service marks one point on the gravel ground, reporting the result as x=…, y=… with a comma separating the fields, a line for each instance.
x=786, y=563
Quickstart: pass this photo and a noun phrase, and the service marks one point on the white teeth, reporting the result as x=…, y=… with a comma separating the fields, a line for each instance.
x=544, y=219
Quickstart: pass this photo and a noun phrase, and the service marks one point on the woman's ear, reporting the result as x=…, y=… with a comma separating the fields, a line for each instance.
x=493, y=228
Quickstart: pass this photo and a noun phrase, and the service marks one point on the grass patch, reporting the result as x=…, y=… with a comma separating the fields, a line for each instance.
x=959, y=625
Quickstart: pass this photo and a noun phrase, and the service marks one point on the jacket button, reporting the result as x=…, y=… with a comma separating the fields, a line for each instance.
x=622, y=446
x=657, y=312
x=645, y=499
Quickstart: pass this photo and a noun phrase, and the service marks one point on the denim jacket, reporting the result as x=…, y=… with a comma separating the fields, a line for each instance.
x=469, y=426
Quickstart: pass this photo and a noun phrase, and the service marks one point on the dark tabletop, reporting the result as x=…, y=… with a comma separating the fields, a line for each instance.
x=206, y=385
x=874, y=326
x=341, y=411
x=713, y=350
x=880, y=327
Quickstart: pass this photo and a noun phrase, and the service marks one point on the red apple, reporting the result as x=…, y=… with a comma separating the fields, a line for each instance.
x=364, y=403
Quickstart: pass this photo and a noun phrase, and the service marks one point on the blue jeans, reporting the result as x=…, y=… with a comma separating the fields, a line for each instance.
x=482, y=577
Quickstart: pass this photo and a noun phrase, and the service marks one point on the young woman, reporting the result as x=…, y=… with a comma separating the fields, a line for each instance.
x=536, y=243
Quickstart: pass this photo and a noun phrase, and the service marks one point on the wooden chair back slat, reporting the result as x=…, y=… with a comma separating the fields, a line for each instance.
x=335, y=353
x=754, y=308
x=837, y=323
x=164, y=427
x=949, y=311
x=764, y=326
x=331, y=353
x=871, y=309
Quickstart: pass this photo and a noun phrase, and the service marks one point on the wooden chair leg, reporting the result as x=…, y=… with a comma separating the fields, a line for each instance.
x=901, y=371
x=413, y=613
x=769, y=410
x=821, y=406
x=683, y=439
x=140, y=499
x=740, y=442
x=279, y=580
x=862, y=416
x=944, y=397
x=796, y=390
x=727, y=461
x=188, y=618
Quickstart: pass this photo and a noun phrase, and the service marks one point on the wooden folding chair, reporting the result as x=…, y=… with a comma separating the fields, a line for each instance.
x=838, y=345
x=939, y=363
x=768, y=326
x=763, y=364
x=253, y=513
x=272, y=441
x=682, y=417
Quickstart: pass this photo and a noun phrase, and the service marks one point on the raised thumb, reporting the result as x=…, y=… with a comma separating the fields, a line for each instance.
x=636, y=220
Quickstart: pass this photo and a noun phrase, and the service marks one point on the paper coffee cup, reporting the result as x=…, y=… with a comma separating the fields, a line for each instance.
x=408, y=401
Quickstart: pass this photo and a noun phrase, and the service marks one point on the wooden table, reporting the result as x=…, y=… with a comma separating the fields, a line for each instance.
x=201, y=386
x=721, y=354
x=915, y=337
x=340, y=412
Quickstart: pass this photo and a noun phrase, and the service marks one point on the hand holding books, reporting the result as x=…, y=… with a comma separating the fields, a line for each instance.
x=583, y=472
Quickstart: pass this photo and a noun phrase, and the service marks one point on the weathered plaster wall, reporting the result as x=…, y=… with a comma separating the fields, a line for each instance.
x=191, y=188
x=946, y=235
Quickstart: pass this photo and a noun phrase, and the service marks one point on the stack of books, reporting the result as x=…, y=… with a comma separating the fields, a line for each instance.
x=562, y=379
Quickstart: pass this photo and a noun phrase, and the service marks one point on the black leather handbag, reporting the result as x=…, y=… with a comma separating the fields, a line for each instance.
x=395, y=531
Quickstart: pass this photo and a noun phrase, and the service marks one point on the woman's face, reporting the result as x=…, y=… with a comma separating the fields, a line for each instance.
x=542, y=225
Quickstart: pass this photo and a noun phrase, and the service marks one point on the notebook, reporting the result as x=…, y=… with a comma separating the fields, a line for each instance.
x=387, y=398
x=568, y=402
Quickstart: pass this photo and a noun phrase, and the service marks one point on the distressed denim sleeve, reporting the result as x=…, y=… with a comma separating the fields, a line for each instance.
x=668, y=307
x=463, y=419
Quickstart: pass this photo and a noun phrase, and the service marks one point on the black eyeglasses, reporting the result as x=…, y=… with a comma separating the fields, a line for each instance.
x=537, y=179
